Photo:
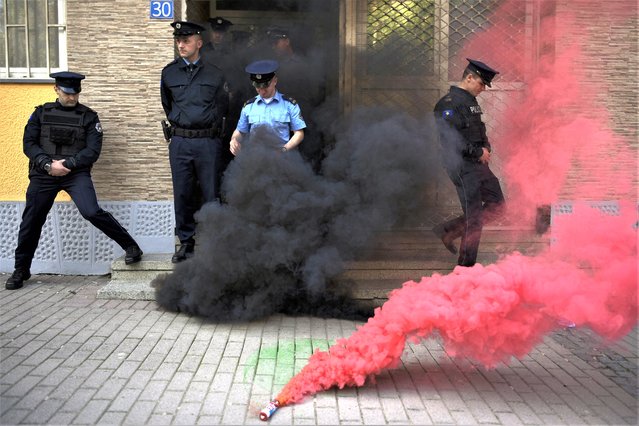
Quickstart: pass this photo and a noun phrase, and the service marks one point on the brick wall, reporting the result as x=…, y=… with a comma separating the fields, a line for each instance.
x=608, y=33
x=122, y=51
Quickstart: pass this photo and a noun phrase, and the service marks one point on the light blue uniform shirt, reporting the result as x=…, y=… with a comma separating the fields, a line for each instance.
x=281, y=115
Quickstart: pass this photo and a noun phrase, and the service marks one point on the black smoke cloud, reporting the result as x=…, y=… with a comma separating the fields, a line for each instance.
x=285, y=231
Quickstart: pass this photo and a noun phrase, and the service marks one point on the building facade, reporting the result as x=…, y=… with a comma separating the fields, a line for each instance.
x=400, y=54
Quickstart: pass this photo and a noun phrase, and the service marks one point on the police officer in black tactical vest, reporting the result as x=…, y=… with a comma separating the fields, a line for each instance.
x=62, y=140
x=466, y=153
x=195, y=99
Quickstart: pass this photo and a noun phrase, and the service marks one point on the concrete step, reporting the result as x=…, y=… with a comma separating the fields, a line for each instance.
x=394, y=258
x=148, y=268
x=128, y=290
x=133, y=282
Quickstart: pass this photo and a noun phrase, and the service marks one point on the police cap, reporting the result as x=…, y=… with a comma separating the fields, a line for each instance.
x=220, y=24
x=185, y=28
x=485, y=72
x=276, y=33
x=262, y=72
x=68, y=82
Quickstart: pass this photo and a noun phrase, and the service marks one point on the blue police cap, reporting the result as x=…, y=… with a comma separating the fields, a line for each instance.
x=220, y=24
x=68, y=82
x=485, y=72
x=262, y=71
x=185, y=28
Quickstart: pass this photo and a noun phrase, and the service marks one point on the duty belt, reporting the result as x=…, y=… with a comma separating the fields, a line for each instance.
x=194, y=133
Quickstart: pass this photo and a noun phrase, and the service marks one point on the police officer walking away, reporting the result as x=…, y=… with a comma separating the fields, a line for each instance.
x=62, y=140
x=466, y=152
x=195, y=101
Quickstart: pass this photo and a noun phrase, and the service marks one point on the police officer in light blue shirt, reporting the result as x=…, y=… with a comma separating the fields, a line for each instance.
x=271, y=109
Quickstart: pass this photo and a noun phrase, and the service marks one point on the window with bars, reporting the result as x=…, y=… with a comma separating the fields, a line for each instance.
x=411, y=38
x=32, y=38
x=400, y=37
x=469, y=18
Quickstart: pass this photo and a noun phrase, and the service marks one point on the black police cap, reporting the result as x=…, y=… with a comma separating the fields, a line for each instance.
x=276, y=33
x=67, y=81
x=185, y=28
x=262, y=71
x=220, y=24
x=485, y=72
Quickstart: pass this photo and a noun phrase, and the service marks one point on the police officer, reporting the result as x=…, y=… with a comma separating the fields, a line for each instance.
x=195, y=101
x=218, y=44
x=62, y=140
x=270, y=109
x=221, y=53
x=304, y=82
x=466, y=153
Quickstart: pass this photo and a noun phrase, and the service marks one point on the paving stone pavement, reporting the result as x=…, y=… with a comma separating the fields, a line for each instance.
x=67, y=357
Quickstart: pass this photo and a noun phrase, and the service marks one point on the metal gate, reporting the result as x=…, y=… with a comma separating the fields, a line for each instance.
x=406, y=54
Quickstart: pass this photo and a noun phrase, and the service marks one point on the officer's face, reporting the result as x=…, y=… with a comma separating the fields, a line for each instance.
x=67, y=99
x=217, y=37
x=268, y=91
x=475, y=85
x=188, y=46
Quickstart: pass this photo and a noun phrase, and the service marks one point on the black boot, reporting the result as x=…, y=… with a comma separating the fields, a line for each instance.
x=185, y=251
x=446, y=237
x=17, y=278
x=133, y=254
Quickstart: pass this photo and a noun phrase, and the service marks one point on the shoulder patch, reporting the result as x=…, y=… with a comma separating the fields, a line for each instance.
x=250, y=101
x=288, y=98
x=448, y=113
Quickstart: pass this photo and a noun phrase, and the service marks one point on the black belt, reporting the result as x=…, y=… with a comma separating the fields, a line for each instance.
x=194, y=133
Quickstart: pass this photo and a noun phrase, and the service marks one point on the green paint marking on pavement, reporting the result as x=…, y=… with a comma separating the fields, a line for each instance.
x=281, y=361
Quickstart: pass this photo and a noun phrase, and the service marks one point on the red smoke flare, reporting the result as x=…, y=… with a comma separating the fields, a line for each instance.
x=493, y=313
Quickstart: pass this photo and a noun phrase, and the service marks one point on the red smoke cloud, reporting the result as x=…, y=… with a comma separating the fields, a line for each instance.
x=495, y=312
x=588, y=275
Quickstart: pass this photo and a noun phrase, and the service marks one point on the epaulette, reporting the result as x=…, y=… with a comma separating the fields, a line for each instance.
x=250, y=101
x=211, y=64
x=288, y=98
x=174, y=61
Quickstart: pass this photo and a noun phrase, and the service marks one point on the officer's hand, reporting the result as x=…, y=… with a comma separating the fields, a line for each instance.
x=58, y=169
x=235, y=147
x=485, y=156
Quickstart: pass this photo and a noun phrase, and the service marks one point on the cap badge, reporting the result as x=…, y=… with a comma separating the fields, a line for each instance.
x=178, y=25
x=219, y=21
x=258, y=76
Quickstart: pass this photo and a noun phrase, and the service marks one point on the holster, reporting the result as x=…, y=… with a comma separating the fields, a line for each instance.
x=166, y=129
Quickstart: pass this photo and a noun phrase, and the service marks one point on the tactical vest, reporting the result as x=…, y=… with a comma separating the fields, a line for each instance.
x=62, y=132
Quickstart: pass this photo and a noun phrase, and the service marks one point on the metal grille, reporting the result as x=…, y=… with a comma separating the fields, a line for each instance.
x=469, y=18
x=400, y=37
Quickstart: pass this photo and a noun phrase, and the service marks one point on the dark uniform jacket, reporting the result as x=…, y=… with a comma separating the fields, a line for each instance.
x=193, y=99
x=461, y=130
x=54, y=132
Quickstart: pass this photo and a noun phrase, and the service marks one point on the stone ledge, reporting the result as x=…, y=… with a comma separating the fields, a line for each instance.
x=127, y=290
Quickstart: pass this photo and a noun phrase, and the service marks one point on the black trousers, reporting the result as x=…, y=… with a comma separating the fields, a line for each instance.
x=41, y=193
x=194, y=162
x=481, y=200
